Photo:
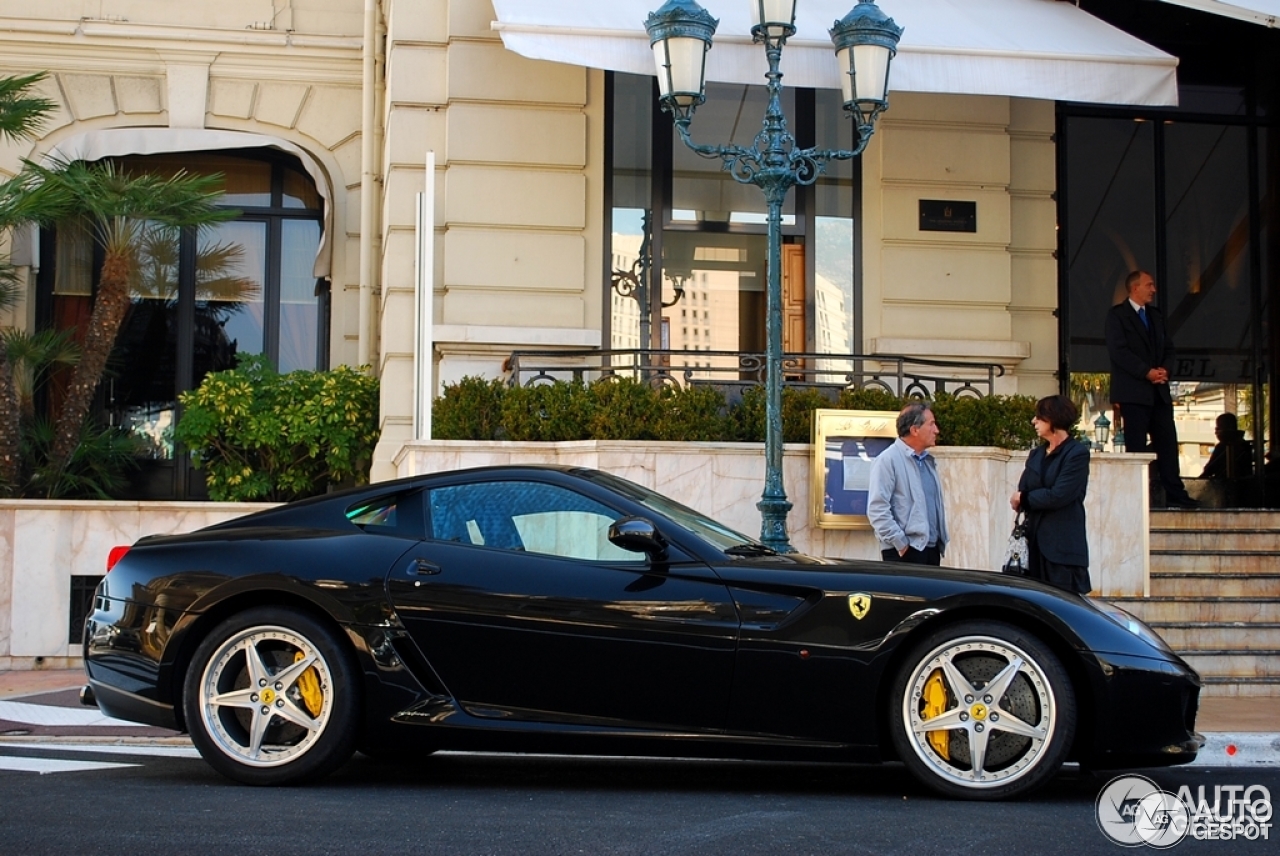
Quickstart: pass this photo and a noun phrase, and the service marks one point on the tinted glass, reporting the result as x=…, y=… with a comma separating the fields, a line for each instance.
x=526, y=516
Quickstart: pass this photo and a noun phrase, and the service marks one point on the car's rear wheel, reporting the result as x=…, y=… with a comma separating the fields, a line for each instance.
x=271, y=698
x=982, y=710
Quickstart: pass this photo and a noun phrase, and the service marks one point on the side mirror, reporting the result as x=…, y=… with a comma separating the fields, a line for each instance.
x=639, y=536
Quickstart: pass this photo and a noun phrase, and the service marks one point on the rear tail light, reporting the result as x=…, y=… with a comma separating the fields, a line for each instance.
x=116, y=554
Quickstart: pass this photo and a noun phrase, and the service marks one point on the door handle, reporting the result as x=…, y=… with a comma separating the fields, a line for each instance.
x=423, y=568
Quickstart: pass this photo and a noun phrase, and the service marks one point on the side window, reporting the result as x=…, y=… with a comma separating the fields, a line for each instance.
x=381, y=513
x=398, y=515
x=529, y=516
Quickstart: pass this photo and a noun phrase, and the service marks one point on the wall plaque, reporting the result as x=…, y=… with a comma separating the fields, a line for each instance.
x=945, y=215
x=844, y=444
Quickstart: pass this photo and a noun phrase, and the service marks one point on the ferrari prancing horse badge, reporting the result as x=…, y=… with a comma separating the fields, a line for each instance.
x=859, y=605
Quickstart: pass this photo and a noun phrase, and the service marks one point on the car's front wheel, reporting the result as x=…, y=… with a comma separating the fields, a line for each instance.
x=271, y=698
x=982, y=710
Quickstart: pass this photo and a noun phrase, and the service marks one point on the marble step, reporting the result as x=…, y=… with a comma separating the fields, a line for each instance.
x=1208, y=609
x=1232, y=562
x=1242, y=635
x=1215, y=585
x=1216, y=520
x=1233, y=663
x=1215, y=541
x=1241, y=688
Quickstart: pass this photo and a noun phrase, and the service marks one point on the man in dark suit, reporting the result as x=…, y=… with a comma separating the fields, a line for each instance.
x=1141, y=355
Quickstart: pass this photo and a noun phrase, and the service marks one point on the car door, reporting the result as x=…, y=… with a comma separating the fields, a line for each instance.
x=526, y=610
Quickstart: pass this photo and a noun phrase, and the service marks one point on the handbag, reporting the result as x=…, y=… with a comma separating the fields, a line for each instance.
x=1016, y=554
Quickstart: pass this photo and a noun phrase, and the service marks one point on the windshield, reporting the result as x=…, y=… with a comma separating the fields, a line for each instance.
x=717, y=534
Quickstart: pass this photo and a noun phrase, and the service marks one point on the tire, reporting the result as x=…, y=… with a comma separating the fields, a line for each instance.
x=299, y=723
x=1020, y=732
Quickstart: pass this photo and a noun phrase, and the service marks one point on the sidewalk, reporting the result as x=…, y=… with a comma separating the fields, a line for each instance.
x=1240, y=731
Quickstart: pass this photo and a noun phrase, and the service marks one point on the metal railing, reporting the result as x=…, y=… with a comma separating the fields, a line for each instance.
x=734, y=371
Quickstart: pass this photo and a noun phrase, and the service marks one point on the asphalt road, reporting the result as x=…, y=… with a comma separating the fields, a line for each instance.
x=484, y=804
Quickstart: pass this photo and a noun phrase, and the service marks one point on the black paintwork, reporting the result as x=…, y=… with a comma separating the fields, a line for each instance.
x=686, y=651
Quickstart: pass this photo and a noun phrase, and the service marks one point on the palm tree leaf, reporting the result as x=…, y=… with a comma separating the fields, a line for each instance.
x=11, y=285
x=22, y=114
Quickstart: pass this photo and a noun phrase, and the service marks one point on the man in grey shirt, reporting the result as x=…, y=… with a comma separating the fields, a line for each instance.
x=904, y=498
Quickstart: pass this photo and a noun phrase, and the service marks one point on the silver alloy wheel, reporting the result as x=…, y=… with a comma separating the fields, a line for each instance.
x=1000, y=712
x=251, y=696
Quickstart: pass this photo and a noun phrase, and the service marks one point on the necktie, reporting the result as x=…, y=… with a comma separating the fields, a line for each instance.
x=1142, y=315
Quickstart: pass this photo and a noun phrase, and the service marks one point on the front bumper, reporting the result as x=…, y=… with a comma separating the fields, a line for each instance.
x=1145, y=714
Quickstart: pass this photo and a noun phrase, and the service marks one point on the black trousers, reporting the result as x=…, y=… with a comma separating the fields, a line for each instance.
x=927, y=556
x=1155, y=422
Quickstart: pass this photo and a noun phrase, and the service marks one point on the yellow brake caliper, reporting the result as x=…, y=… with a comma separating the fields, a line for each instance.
x=309, y=686
x=935, y=704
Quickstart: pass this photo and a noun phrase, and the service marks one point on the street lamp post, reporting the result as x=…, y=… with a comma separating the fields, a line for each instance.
x=865, y=41
x=1101, y=431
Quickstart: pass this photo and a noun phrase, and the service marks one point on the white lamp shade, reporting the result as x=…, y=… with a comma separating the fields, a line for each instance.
x=681, y=63
x=775, y=15
x=869, y=65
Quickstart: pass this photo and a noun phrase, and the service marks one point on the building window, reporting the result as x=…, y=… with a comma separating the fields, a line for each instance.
x=200, y=299
x=683, y=220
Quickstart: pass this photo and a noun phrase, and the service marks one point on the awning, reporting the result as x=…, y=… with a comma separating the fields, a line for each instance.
x=1025, y=48
x=1264, y=12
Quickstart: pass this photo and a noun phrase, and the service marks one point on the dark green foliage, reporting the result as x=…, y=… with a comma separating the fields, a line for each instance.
x=872, y=398
x=97, y=469
x=624, y=409
x=997, y=420
x=797, y=414
x=261, y=435
x=692, y=414
x=22, y=114
x=470, y=409
x=747, y=419
x=551, y=411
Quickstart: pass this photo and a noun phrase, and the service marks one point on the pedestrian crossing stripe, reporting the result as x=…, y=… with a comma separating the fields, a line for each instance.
x=148, y=749
x=45, y=714
x=44, y=766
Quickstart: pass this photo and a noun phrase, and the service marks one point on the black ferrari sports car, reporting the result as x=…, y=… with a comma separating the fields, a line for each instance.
x=566, y=610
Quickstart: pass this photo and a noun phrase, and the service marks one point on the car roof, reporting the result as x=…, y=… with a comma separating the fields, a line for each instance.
x=328, y=510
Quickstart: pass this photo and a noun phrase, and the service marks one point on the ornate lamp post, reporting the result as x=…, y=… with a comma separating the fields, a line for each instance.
x=865, y=41
x=1101, y=431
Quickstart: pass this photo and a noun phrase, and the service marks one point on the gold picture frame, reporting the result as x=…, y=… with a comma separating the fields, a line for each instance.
x=844, y=444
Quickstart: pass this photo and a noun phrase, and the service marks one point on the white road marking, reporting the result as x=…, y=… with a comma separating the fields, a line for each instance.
x=44, y=714
x=113, y=749
x=56, y=765
x=43, y=766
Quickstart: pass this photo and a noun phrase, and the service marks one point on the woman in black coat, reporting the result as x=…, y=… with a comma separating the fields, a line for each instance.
x=1051, y=495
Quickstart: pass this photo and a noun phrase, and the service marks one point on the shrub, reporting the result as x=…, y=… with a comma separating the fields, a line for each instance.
x=997, y=420
x=623, y=409
x=626, y=409
x=693, y=414
x=261, y=435
x=551, y=411
x=470, y=409
x=870, y=398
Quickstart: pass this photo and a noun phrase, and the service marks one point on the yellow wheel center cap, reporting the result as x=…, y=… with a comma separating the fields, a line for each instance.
x=269, y=695
x=979, y=711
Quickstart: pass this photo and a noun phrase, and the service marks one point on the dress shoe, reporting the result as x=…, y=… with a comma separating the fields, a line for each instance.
x=1185, y=502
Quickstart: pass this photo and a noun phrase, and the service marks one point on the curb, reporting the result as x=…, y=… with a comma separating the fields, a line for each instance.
x=1249, y=749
